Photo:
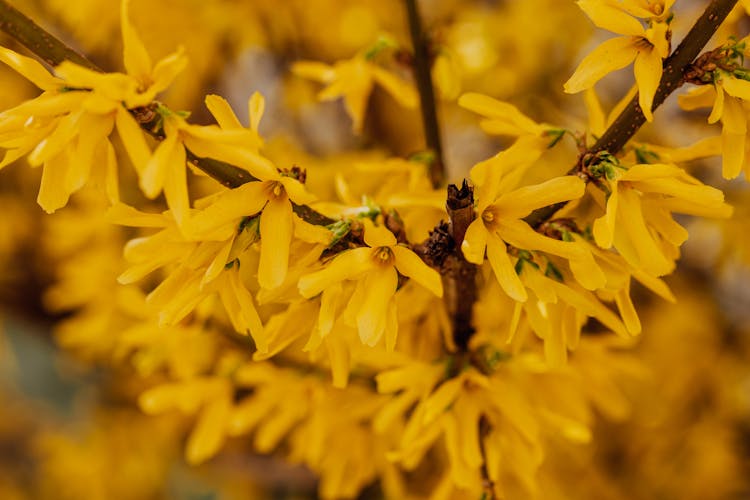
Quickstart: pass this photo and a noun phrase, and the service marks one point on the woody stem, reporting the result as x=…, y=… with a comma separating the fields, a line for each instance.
x=631, y=119
x=422, y=74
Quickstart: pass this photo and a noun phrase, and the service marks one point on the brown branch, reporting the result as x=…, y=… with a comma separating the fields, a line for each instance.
x=54, y=52
x=442, y=251
x=37, y=40
x=422, y=75
x=631, y=119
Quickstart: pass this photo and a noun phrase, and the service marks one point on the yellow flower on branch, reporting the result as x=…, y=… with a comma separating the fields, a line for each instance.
x=374, y=267
x=638, y=219
x=67, y=128
x=726, y=97
x=203, y=268
x=271, y=198
x=501, y=118
x=647, y=46
x=353, y=79
x=500, y=212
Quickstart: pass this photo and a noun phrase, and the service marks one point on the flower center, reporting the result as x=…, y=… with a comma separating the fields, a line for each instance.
x=643, y=43
x=276, y=189
x=383, y=256
x=489, y=217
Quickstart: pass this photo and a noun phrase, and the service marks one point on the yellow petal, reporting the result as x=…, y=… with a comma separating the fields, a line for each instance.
x=155, y=172
x=346, y=265
x=218, y=263
x=329, y=302
x=441, y=399
x=733, y=154
x=378, y=236
x=115, y=86
x=610, y=56
x=506, y=118
x=297, y=192
x=111, y=186
x=409, y=264
x=30, y=69
x=648, y=69
x=611, y=18
x=627, y=311
x=519, y=234
x=133, y=139
x=57, y=141
x=399, y=89
x=475, y=242
x=136, y=58
x=52, y=193
x=275, y=238
x=604, y=227
x=240, y=308
x=652, y=259
x=522, y=201
x=243, y=157
x=314, y=71
x=379, y=285
x=737, y=87
x=338, y=354
x=733, y=133
x=504, y=271
x=587, y=272
x=256, y=105
x=229, y=207
x=209, y=432
x=699, y=97
x=718, y=109
x=222, y=112
x=597, y=118
x=165, y=72
x=175, y=183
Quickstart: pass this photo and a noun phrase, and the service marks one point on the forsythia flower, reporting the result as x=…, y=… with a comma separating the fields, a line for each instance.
x=638, y=220
x=647, y=46
x=727, y=97
x=229, y=142
x=353, y=79
x=375, y=269
x=203, y=268
x=80, y=108
x=499, y=221
x=502, y=118
x=273, y=198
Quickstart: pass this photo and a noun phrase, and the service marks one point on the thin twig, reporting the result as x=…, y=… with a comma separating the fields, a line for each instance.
x=37, y=40
x=423, y=76
x=631, y=119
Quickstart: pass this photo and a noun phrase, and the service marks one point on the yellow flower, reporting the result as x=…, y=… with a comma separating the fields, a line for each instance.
x=638, y=220
x=500, y=220
x=209, y=397
x=272, y=198
x=502, y=118
x=353, y=80
x=647, y=46
x=727, y=97
x=228, y=142
x=203, y=268
x=67, y=128
x=374, y=267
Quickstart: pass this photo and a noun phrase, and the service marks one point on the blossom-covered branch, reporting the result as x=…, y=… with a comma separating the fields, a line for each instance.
x=632, y=118
x=54, y=52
